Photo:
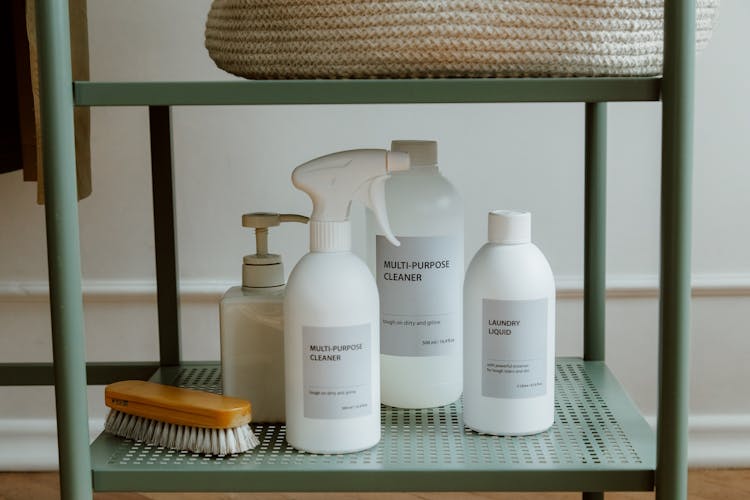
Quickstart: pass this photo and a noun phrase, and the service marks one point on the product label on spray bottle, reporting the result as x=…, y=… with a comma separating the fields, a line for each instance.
x=514, y=348
x=336, y=370
x=420, y=295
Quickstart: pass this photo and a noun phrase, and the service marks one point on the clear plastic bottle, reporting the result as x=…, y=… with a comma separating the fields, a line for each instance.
x=509, y=332
x=420, y=284
x=252, y=328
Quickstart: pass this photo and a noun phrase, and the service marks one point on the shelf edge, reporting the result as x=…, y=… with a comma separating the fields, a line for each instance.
x=425, y=91
x=410, y=477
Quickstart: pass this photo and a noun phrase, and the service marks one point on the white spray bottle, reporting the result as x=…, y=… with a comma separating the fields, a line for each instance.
x=331, y=310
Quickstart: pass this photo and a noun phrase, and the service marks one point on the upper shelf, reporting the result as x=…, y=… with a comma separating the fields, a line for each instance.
x=366, y=91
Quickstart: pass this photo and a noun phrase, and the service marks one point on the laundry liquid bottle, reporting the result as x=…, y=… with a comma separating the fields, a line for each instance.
x=420, y=284
x=509, y=332
x=331, y=310
x=251, y=326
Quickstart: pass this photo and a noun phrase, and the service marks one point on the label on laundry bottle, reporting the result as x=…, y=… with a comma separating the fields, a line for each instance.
x=514, y=348
x=337, y=371
x=420, y=295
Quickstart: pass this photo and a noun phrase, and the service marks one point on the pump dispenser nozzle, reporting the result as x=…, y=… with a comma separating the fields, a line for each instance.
x=334, y=180
x=263, y=269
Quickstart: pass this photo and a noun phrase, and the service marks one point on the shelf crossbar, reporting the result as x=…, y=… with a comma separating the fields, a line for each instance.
x=439, y=90
x=97, y=373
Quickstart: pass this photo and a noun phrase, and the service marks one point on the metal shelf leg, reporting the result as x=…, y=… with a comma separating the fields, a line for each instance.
x=63, y=249
x=595, y=220
x=165, y=236
x=676, y=186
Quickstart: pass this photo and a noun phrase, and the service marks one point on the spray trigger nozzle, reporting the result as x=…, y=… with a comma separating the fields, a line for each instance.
x=372, y=195
x=334, y=180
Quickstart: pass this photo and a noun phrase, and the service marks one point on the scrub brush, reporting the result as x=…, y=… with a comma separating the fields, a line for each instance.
x=180, y=419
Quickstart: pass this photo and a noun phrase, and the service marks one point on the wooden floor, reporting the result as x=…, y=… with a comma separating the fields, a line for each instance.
x=723, y=484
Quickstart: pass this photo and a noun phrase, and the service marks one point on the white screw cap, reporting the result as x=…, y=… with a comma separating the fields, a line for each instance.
x=421, y=153
x=509, y=227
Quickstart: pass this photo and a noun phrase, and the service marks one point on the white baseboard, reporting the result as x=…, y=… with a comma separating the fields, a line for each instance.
x=715, y=441
x=570, y=287
x=31, y=444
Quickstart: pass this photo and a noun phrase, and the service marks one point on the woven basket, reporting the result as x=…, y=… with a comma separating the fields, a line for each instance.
x=262, y=39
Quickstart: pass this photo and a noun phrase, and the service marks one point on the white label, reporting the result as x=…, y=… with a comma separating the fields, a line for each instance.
x=336, y=363
x=420, y=295
x=514, y=348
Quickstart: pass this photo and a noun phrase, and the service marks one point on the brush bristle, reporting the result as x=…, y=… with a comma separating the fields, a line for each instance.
x=181, y=437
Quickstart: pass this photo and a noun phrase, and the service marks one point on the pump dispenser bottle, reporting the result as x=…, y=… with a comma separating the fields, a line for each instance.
x=509, y=332
x=331, y=311
x=250, y=319
x=420, y=284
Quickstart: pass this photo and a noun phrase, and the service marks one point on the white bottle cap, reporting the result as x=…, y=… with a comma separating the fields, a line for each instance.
x=421, y=153
x=509, y=227
x=330, y=236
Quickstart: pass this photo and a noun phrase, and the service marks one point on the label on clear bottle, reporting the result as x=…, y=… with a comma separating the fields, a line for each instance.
x=420, y=295
x=514, y=348
x=336, y=369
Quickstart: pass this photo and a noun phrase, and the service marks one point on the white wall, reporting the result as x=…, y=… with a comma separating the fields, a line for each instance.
x=231, y=160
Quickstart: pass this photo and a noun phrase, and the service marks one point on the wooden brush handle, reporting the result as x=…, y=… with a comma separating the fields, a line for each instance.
x=175, y=405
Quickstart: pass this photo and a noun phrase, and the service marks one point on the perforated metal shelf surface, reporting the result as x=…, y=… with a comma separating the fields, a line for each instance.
x=599, y=442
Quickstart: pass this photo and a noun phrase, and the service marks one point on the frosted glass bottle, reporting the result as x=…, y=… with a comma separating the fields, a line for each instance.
x=420, y=284
x=251, y=326
x=509, y=332
x=252, y=349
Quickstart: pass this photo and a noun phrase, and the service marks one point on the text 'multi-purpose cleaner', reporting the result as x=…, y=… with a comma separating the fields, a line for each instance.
x=331, y=310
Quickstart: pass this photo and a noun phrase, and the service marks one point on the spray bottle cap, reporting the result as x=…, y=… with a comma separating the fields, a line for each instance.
x=334, y=180
x=509, y=227
x=263, y=269
x=421, y=153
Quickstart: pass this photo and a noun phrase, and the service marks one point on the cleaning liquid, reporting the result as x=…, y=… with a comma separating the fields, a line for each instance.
x=509, y=332
x=420, y=284
x=331, y=311
x=251, y=325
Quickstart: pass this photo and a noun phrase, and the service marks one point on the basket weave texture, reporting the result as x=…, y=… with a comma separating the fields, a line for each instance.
x=283, y=39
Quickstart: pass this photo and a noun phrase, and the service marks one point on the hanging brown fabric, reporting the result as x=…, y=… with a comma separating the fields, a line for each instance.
x=12, y=36
x=21, y=145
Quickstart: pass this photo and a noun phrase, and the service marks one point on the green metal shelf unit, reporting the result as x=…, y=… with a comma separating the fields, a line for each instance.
x=599, y=441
